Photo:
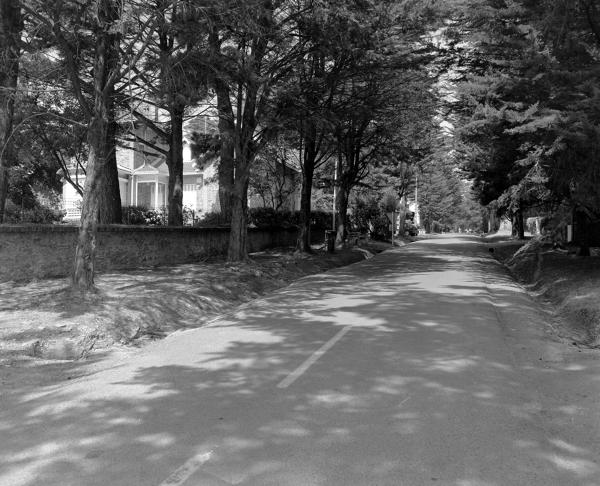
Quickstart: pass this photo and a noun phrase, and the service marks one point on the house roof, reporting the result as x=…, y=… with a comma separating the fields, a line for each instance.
x=188, y=168
x=121, y=169
x=151, y=169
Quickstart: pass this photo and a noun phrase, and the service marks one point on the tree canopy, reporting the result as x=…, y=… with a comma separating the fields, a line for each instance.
x=529, y=105
x=492, y=98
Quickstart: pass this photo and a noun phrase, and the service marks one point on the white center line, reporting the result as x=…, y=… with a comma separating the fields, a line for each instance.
x=311, y=360
x=182, y=474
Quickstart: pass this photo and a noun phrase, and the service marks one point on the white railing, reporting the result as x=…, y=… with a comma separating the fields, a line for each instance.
x=72, y=208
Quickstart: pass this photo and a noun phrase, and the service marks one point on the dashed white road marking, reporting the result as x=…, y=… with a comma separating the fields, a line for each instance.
x=183, y=473
x=404, y=401
x=312, y=359
x=192, y=465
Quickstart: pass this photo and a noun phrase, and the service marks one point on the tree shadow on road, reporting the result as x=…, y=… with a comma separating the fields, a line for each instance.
x=423, y=364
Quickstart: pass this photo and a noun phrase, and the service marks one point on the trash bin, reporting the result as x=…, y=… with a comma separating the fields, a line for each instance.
x=330, y=240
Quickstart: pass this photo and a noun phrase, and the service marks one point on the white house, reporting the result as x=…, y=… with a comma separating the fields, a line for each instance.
x=144, y=178
x=143, y=181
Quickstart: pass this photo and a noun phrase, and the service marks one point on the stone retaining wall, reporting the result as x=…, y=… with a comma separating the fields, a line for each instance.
x=46, y=251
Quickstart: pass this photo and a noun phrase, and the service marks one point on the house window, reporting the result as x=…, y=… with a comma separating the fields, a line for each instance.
x=147, y=196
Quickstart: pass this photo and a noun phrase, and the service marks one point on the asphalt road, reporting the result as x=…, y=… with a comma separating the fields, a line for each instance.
x=425, y=365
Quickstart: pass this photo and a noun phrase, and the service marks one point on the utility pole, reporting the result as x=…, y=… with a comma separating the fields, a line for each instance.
x=393, y=226
x=335, y=176
x=417, y=218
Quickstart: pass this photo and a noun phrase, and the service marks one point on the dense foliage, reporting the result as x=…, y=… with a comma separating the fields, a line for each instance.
x=355, y=99
x=530, y=107
x=269, y=217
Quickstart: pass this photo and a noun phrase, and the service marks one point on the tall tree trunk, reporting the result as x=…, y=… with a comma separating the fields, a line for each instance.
x=110, y=208
x=175, y=165
x=227, y=128
x=238, y=239
x=304, y=236
x=402, y=216
x=492, y=220
x=245, y=152
x=10, y=31
x=172, y=93
x=83, y=272
x=225, y=174
x=520, y=224
x=226, y=170
x=341, y=215
x=308, y=171
x=100, y=167
x=517, y=224
x=242, y=125
x=4, y=184
x=581, y=231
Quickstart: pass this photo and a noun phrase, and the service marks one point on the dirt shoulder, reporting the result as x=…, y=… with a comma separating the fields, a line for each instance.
x=569, y=283
x=44, y=320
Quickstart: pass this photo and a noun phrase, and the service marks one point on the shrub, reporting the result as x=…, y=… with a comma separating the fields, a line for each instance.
x=321, y=220
x=134, y=215
x=368, y=216
x=410, y=228
x=190, y=216
x=212, y=219
x=36, y=215
x=264, y=217
x=269, y=217
x=156, y=217
x=141, y=215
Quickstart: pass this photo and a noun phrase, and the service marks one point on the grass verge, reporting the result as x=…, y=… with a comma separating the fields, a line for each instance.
x=570, y=283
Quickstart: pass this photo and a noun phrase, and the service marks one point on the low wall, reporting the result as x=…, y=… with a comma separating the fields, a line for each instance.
x=46, y=251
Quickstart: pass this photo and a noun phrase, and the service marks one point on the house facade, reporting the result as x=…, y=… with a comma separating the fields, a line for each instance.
x=144, y=179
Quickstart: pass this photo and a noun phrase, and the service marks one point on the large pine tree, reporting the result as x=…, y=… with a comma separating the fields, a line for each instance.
x=10, y=33
x=531, y=138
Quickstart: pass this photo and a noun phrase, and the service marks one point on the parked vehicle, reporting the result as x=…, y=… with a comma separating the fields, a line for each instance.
x=411, y=229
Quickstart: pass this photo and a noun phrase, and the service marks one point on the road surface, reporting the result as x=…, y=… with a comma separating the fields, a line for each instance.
x=426, y=365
